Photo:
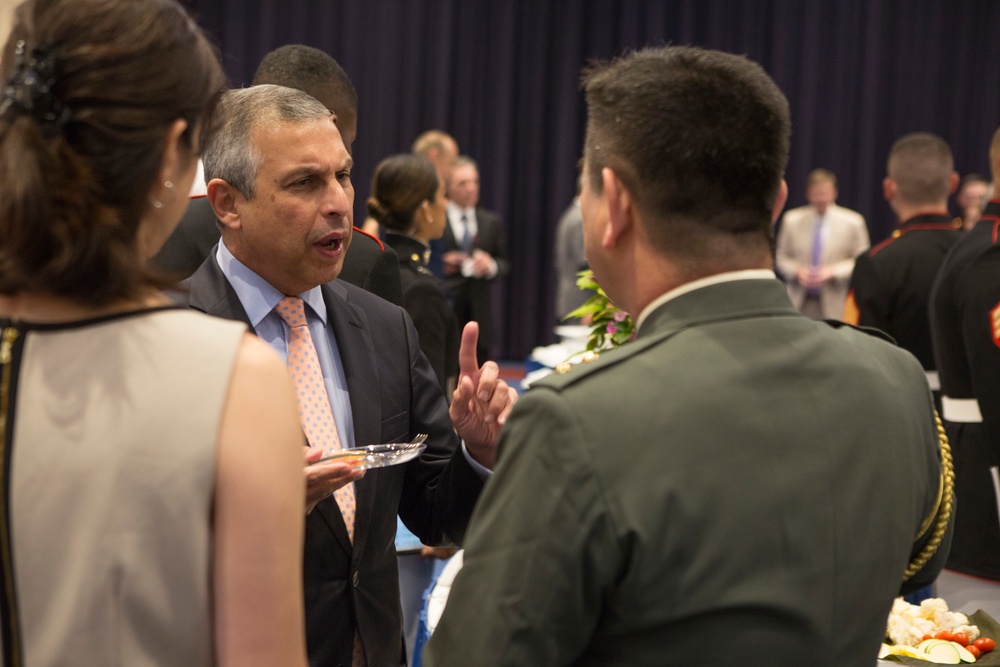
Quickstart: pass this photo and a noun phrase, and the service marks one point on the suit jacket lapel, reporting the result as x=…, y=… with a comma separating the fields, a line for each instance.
x=357, y=354
x=211, y=293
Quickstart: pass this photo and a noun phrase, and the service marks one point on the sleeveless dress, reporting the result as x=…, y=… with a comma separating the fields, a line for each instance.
x=111, y=479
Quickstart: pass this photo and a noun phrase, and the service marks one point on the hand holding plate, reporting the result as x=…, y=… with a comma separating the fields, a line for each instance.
x=322, y=479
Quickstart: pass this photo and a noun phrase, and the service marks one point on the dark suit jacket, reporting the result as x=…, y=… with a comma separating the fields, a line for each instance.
x=471, y=296
x=368, y=264
x=394, y=395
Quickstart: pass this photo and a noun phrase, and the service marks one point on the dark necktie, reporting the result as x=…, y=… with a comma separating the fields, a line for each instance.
x=466, y=235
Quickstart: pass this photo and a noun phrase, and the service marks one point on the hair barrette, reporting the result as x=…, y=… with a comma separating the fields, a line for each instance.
x=31, y=89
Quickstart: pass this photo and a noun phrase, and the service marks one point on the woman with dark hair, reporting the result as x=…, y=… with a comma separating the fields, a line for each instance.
x=151, y=509
x=408, y=201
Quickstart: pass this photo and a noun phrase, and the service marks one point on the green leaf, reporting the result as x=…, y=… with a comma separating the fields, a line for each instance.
x=586, y=309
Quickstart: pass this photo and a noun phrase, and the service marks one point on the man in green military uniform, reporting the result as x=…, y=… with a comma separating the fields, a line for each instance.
x=740, y=483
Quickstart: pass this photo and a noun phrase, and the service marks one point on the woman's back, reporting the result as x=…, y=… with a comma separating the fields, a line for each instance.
x=117, y=567
x=153, y=456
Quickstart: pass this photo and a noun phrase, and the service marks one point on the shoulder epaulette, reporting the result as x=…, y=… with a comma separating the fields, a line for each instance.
x=899, y=232
x=871, y=331
x=874, y=249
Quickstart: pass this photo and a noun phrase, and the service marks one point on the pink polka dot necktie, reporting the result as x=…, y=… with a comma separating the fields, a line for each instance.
x=315, y=413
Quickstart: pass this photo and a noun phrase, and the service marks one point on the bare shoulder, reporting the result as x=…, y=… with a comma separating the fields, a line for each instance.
x=261, y=400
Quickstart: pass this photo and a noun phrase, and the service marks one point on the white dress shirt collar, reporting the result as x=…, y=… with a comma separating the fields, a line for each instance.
x=719, y=278
x=257, y=295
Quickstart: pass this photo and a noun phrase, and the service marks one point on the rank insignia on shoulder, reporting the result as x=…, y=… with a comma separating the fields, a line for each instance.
x=566, y=367
x=995, y=324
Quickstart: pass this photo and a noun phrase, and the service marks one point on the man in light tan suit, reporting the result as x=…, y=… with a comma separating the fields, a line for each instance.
x=817, y=245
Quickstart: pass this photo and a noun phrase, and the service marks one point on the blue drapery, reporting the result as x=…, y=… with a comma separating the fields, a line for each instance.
x=502, y=77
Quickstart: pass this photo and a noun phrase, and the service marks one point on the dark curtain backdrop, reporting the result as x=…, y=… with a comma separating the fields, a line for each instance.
x=502, y=77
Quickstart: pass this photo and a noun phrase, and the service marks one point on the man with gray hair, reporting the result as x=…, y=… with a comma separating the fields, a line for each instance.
x=369, y=264
x=739, y=470
x=891, y=283
x=279, y=181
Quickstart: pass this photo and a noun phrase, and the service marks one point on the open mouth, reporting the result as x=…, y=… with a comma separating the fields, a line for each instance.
x=332, y=244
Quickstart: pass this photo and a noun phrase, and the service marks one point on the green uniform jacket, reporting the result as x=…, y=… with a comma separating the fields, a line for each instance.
x=740, y=485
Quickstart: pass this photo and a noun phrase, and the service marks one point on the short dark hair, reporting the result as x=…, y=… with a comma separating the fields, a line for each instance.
x=310, y=70
x=73, y=194
x=699, y=138
x=401, y=183
x=921, y=165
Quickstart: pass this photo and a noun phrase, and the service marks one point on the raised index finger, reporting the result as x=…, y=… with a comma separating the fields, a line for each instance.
x=468, y=363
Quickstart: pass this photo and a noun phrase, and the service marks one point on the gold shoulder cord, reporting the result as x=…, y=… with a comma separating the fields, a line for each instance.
x=942, y=508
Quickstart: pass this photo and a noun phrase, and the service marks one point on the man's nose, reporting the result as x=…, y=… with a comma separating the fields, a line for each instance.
x=336, y=200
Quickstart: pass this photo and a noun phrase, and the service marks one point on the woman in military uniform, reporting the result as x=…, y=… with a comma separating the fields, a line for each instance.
x=408, y=200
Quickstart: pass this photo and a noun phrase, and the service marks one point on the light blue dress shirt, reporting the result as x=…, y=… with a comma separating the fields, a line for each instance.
x=259, y=299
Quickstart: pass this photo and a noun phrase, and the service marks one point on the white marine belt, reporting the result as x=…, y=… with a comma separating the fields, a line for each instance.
x=933, y=380
x=961, y=410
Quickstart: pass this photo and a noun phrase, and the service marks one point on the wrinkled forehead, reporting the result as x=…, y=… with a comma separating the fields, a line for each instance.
x=283, y=143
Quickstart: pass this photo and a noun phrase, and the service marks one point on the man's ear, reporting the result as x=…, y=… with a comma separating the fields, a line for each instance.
x=779, y=201
x=888, y=188
x=953, y=183
x=621, y=208
x=224, y=200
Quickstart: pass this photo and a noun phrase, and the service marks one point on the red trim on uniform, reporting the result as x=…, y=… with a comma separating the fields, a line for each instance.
x=882, y=245
x=996, y=224
x=905, y=229
x=373, y=238
x=201, y=196
x=927, y=225
x=995, y=324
